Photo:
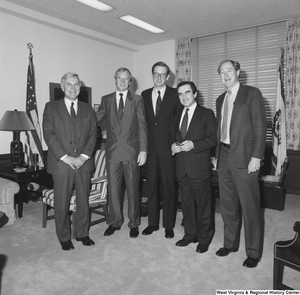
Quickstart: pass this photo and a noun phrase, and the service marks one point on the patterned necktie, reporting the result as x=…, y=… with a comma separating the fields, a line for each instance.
x=121, y=106
x=158, y=103
x=72, y=111
x=184, y=124
x=225, y=123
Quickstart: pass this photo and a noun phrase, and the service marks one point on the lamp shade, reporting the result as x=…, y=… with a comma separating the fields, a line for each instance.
x=15, y=121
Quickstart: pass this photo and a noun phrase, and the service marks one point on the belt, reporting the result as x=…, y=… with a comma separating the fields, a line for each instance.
x=225, y=145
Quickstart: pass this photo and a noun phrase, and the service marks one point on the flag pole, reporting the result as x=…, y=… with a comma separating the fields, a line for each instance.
x=33, y=145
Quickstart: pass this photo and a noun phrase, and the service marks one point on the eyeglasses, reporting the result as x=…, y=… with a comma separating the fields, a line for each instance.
x=162, y=75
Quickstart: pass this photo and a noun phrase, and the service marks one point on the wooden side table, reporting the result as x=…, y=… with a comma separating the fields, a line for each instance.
x=39, y=176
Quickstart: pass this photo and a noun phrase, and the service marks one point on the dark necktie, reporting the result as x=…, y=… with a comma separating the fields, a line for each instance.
x=72, y=111
x=121, y=106
x=158, y=103
x=184, y=124
x=225, y=122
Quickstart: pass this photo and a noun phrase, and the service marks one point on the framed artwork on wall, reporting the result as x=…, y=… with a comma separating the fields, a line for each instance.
x=56, y=93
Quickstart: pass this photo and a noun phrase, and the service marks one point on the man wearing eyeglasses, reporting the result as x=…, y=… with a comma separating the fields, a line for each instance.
x=161, y=102
x=126, y=150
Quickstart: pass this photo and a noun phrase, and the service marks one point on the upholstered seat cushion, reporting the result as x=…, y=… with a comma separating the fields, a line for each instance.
x=97, y=194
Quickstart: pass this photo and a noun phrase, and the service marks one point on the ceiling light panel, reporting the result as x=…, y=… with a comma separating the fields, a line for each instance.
x=137, y=22
x=96, y=4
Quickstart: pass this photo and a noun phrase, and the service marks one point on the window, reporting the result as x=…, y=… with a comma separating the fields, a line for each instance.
x=257, y=50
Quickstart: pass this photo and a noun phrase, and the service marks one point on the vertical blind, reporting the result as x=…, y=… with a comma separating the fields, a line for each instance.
x=257, y=49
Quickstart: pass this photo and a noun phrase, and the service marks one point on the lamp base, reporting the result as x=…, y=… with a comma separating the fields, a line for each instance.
x=16, y=151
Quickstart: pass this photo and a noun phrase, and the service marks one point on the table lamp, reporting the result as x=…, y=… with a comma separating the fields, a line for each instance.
x=16, y=122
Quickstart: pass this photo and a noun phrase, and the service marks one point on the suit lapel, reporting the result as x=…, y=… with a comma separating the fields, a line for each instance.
x=63, y=111
x=194, y=120
x=237, y=103
x=149, y=104
x=165, y=103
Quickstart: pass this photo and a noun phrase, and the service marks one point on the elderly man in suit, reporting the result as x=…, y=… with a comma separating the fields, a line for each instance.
x=194, y=135
x=241, y=137
x=70, y=133
x=126, y=150
x=161, y=102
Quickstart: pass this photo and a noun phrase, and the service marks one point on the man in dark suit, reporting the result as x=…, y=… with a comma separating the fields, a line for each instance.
x=194, y=134
x=161, y=102
x=126, y=150
x=241, y=137
x=70, y=133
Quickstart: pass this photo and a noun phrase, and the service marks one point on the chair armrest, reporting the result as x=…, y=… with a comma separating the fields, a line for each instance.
x=297, y=226
x=8, y=190
x=99, y=179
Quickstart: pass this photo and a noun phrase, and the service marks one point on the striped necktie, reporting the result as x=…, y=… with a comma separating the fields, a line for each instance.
x=72, y=111
x=184, y=124
x=225, y=122
x=158, y=103
x=121, y=107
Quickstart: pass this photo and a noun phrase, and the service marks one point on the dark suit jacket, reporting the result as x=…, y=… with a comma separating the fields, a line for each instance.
x=159, y=127
x=247, y=126
x=203, y=132
x=126, y=138
x=57, y=135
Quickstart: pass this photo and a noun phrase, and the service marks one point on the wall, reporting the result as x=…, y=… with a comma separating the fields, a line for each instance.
x=147, y=56
x=60, y=47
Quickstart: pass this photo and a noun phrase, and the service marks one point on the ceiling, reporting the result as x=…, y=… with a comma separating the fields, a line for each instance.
x=178, y=18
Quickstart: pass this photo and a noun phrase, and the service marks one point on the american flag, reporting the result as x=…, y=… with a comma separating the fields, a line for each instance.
x=279, y=127
x=33, y=143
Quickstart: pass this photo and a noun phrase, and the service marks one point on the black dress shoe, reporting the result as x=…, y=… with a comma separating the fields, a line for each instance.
x=150, y=229
x=110, y=230
x=202, y=248
x=184, y=243
x=134, y=232
x=169, y=233
x=224, y=251
x=86, y=241
x=250, y=262
x=68, y=245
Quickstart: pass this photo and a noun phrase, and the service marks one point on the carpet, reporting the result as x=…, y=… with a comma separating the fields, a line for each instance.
x=32, y=262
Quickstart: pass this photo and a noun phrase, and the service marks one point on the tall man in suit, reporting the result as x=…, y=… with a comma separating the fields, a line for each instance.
x=161, y=102
x=70, y=133
x=194, y=134
x=126, y=150
x=241, y=137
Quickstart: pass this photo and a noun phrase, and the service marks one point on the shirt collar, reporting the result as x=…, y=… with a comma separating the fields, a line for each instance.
x=162, y=91
x=68, y=103
x=124, y=94
x=235, y=88
x=191, y=107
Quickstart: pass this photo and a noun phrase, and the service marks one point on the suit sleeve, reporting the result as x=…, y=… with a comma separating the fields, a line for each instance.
x=92, y=138
x=100, y=114
x=259, y=124
x=142, y=125
x=49, y=133
x=210, y=140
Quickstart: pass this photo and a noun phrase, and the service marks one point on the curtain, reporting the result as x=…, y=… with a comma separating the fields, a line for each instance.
x=293, y=84
x=183, y=60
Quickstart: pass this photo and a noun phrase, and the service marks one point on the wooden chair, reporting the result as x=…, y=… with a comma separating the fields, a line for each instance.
x=97, y=198
x=286, y=253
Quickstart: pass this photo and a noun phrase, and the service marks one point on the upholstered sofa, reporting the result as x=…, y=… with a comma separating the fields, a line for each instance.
x=8, y=189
